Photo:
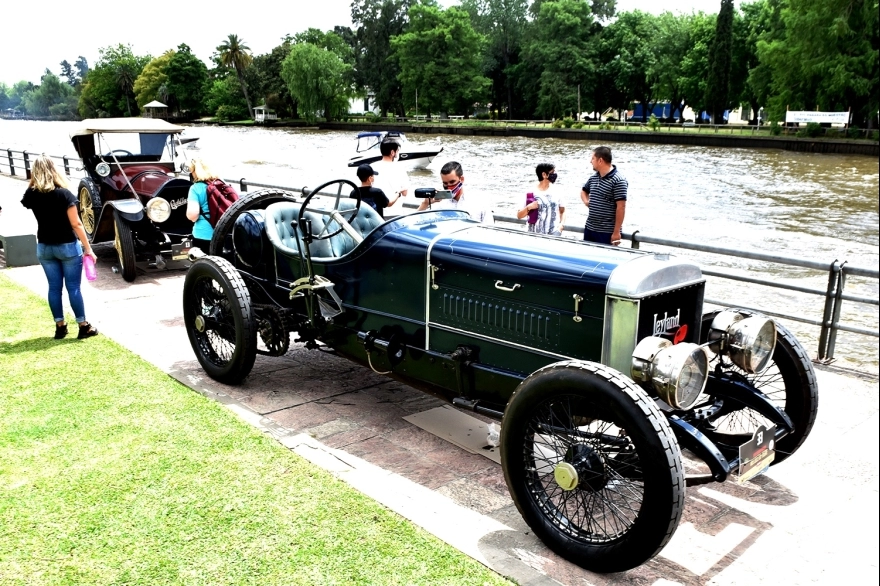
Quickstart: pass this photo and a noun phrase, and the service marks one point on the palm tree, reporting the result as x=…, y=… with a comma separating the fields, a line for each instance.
x=234, y=53
x=125, y=79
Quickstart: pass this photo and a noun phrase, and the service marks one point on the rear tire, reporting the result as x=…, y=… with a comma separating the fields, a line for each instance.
x=124, y=244
x=584, y=421
x=220, y=319
x=221, y=242
x=89, y=206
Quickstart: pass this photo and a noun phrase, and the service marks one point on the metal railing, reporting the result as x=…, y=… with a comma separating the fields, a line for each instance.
x=832, y=295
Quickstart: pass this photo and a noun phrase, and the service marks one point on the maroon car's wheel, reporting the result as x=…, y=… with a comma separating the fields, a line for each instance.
x=592, y=466
x=124, y=244
x=89, y=205
x=219, y=319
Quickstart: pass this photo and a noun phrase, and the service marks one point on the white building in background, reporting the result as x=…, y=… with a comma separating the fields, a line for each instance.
x=363, y=105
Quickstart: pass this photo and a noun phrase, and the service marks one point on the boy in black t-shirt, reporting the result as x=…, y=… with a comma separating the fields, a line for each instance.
x=372, y=196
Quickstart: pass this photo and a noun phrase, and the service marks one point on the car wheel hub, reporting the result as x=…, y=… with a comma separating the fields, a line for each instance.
x=582, y=466
x=200, y=323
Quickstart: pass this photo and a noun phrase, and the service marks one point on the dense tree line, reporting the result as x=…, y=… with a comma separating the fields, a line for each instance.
x=510, y=59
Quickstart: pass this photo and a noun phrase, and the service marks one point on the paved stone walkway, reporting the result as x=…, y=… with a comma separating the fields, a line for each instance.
x=812, y=520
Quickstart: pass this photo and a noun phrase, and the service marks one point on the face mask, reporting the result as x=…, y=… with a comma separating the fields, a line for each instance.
x=552, y=177
x=457, y=189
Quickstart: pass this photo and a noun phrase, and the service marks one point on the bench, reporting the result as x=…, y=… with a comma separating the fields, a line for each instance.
x=20, y=250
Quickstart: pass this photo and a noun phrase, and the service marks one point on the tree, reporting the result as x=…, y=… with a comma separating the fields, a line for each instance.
x=272, y=88
x=318, y=79
x=720, y=59
x=45, y=99
x=632, y=66
x=824, y=54
x=439, y=56
x=503, y=23
x=235, y=54
x=671, y=45
x=695, y=65
x=108, y=88
x=186, y=78
x=151, y=82
x=376, y=23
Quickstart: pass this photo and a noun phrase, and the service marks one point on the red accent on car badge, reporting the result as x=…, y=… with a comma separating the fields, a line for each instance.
x=680, y=334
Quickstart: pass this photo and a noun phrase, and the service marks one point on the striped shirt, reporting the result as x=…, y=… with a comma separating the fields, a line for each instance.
x=604, y=194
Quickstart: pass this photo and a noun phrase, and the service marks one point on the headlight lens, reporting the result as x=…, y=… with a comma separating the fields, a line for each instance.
x=158, y=210
x=749, y=341
x=677, y=372
x=102, y=169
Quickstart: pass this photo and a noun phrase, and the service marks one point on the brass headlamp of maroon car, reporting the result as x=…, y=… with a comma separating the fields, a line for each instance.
x=678, y=372
x=749, y=341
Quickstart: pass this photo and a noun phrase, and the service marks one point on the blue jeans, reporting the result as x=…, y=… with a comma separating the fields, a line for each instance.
x=63, y=266
x=598, y=237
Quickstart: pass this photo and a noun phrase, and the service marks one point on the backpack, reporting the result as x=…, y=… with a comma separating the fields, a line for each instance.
x=221, y=195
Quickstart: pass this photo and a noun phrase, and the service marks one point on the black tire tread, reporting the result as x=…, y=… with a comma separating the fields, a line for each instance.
x=126, y=254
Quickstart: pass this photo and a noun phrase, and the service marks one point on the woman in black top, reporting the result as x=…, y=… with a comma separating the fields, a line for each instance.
x=60, y=254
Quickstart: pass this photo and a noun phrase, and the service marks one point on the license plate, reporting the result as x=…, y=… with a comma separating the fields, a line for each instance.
x=756, y=455
x=181, y=251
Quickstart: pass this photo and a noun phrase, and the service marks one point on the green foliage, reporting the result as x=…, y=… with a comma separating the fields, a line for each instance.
x=606, y=126
x=578, y=125
x=775, y=128
x=695, y=67
x=187, y=76
x=854, y=132
x=568, y=122
x=151, y=83
x=557, y=123
x=832, y=133
x=226, y=93
x=654, y=123
x=629, y=61
x=109, y=87
x=439, y=56
x=270, y=85
x=319, y=80
x=813, y=129
x=234, y=54
x=720, y=59
x=875, y=135
x=377, y=22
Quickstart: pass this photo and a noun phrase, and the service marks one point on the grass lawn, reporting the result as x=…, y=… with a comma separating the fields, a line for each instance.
x=112, y=472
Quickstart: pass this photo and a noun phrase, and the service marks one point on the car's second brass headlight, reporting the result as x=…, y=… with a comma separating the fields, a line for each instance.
x=677, y=372
x=748, y=341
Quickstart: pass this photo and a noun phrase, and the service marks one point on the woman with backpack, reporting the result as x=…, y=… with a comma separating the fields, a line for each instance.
x=197, y=204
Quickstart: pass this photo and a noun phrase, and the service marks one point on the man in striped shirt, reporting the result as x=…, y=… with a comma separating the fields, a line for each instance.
x=605, y=194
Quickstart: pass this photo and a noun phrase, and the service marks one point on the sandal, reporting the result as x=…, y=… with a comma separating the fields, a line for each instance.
x=60, y=331
x=86, y=330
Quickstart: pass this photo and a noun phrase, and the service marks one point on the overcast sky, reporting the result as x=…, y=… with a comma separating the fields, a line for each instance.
x=30, y=42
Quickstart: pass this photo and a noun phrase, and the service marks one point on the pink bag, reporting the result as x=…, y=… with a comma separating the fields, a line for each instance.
x=89, y=268
x=533, y=214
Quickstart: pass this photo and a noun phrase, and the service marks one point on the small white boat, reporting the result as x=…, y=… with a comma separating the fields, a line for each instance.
x=412, y=155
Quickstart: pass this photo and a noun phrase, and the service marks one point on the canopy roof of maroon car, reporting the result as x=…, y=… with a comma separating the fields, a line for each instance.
x=139, y=125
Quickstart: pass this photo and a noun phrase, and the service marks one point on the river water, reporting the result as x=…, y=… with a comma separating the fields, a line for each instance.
x=816, y=206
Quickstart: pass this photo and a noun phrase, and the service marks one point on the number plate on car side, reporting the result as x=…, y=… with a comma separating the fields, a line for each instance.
x=756, y=455
x=181, y=251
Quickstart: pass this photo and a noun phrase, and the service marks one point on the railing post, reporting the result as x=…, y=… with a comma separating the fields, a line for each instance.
x=11, y=162
x=830, y=295
x=66, y=165
x=242, y=185
x=835, y=319
x=27, y=166
x=634, y=243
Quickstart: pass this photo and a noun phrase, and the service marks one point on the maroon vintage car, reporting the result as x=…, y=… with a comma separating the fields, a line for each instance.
x=134, y=191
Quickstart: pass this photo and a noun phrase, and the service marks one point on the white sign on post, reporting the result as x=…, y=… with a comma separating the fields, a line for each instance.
x=828, y=117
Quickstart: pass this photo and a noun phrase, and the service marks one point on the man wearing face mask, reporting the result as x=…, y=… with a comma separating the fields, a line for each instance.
x=452, y=177
x=546, y=201
x=391, y=176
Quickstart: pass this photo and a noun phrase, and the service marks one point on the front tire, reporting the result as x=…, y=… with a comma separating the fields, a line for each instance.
x=592, y=466
x=124, y=244
x=220, y=319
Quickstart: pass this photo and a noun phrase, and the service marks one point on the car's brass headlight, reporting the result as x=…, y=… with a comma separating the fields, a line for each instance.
x=158, y=210
x=102, y=169
x=677, y=372
x=748, y=341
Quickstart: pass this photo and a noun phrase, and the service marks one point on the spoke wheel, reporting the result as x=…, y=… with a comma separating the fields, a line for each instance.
x=219, y=319
x=790, y=382
x=124, y=244
x=221, y=241
x=592, y=465
x=89, y=206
